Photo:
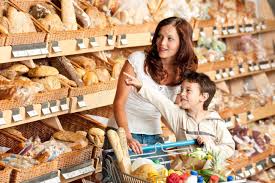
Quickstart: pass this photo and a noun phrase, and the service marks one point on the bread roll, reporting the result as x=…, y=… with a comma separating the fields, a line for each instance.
x=52, y=22
x=98, y=19
x=90, y=78
x=9, y=74
x=19, y=22
x=43, y=71
x=68, y=15
x=143, y=171
x=85, y=62
x=103, y=75
x=19, y=68
x=49, y=83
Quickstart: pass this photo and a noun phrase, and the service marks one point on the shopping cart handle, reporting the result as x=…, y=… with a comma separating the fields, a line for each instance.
x=169, y=145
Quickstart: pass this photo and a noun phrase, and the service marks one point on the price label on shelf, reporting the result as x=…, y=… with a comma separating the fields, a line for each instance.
x=240, y=175
x=272, y=159
x=224, y=31
x=247, y=173
x=30, y=111
x=202, y=33
x=242, y=28
x=19, y=51
x=123, y=39
x=250, y=169
x=218, y=75
x=81, y=102
x=16, y=116
x=251, y=67
x=260, y=166
x=93, y=42
x=45, y=108
x=273, y=64
x=55, y=46
x=215, y=31
x=231, y=72
x=259, y=26
x=232, y=30
x=256, y=67
x=53, y=106
x=250, y=116
x=249, y=28
x=229, y=123
x=110, y=40
x=78, y=172
x=34, y=52
x=241, y=68
x=63, y=104
x=2, y=120
x=80, y=44
x=224, y=73
x=237, y=118
x=263, y=26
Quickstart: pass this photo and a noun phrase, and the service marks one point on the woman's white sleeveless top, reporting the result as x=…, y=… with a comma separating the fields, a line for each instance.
x=142, y=116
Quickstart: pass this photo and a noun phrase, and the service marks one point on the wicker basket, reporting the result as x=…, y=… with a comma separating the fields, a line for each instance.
x=132, y=29
x=92, y=89
x=5, y=174
x=105, y=111
x=2, y=39
x=28, y=37
x=35, y=171
x=37, y=99
x=77, y=122
x=52, y=35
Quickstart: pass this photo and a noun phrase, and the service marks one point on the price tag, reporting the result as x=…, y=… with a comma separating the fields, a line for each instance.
x=251, y=170
x=123, y=39
x=250, y=116
x=251, y=67
x=242, y=28
x=259, y=26
x=241, y=69
x=240, y=174
x=224, y=31
x=231, y=72
x=19, y=51
x=42, y=46
x=215, y=31
x=110, y=40
x=93, y=42
x=224, y=73
x=202, y=33
x=45, y=108
x=231, y=30
x=34, y=52
x=218, y=75
x=53, y=106
x=272, y=63
x=249, y=28
x=2, y=120
x=229, y=123
x=80, y=44
x=30, y=111
x=16, y=116
x=152, y=36
x=264, y=65
x=81, y=102
x=247, y=173
x=55, y=46
x=272, y=159
x=237, y=118
x=256, y=67
x=259, y=167
x=63, y=104
x=75, y=173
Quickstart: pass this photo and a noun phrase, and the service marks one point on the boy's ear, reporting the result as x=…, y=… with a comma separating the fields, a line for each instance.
x=205, y=96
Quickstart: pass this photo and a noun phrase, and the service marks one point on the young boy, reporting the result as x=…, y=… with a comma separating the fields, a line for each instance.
x=190, y=118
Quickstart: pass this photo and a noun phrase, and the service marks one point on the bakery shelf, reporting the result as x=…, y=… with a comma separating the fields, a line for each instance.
x=93, y=100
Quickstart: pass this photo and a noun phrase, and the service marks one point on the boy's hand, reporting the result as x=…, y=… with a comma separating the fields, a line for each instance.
x=201, y=140
x=132, y=81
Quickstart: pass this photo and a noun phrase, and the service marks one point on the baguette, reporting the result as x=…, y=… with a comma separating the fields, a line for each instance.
x=124, y=145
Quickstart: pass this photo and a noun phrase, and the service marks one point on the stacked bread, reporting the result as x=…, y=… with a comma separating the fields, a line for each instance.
x=14, y=21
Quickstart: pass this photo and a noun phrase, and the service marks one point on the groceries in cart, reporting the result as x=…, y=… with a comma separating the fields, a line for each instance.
x=165, y=163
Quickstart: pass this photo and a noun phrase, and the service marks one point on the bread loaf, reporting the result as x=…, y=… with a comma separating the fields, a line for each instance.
x=49, y=82
x=43, y=71
x=52, y=22
x=85, y=62
x=4, y=25
x=68, y=15
x=98, y=19
x=68, y=136
x=90, y=78
x=96, y=136
x=19, y=22
x=103, y=75
x=66, y=80
x=19, y=68
x=82, y=17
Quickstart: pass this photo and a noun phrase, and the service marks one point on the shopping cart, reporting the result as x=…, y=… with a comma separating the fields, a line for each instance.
x=158, y=152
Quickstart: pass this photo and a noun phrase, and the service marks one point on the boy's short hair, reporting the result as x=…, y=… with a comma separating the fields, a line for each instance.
x=205, y=83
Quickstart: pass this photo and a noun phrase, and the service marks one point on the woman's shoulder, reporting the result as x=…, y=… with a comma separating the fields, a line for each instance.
x=136, y=56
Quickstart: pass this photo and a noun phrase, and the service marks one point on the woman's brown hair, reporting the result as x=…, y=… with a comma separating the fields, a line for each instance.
x=185, y=58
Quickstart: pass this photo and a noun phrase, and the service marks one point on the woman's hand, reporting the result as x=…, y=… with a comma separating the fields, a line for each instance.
x=134, y=145
x=130, y=80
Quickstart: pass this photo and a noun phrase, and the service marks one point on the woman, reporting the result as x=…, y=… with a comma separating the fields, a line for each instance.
x=171, y=53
